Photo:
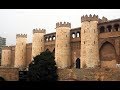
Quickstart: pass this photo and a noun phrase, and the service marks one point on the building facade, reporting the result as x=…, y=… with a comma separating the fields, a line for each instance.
x=2, y=43
x=95, y=44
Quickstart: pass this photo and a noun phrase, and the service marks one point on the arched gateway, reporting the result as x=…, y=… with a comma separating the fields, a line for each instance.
x=77, y=63
x=108, y=55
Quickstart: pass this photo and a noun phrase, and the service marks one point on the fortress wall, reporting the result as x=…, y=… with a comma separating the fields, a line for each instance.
x=6, y=57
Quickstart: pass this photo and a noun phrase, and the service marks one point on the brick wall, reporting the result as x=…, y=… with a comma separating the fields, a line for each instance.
x=98, y=74
x=9, y=74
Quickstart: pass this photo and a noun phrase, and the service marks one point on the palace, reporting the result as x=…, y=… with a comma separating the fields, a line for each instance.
x=95, y=44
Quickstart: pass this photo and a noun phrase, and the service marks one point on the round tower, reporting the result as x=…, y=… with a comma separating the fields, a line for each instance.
x=62, y=45
x=38, y=41
x=6, y=56
x=20, y=51
x=89, y=41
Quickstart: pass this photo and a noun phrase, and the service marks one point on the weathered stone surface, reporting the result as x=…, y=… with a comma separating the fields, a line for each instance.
x=69, y=49
x=6, y=57
x=9, y=74
x=89, y=44
x=94, y=74
x=20, y=52
x=38, y=42
x=62, y=47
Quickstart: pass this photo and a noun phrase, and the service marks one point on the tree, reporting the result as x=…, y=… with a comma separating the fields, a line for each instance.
x=43, y=67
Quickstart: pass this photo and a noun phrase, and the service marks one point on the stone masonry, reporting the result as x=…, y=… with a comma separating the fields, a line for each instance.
x=20, y=51
x=89, y=41
x=6, y=59
x=96, y=44
x=62, y=46
x=38, y=41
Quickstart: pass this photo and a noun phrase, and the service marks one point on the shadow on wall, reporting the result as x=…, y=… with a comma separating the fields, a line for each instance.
x=2, y=79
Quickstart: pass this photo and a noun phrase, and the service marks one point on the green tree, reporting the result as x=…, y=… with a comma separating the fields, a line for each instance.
x=43, y=67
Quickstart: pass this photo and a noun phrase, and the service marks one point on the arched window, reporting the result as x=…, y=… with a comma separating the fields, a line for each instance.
x=50, y=38
x=78, y=34
x=53, y=38
x=116, y=27
x=109, y=28
x=73, y=35
x=102, y=29
x=46, y=39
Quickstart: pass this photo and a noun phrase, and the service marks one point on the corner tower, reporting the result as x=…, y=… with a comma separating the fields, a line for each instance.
x=62, y=45
x=89, y=41
x=20, y=51
x=6, y=56
x=38, y=41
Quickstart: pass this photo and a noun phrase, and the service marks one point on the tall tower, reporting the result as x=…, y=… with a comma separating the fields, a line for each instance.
x=38, y=41
x=20, y=51
x=6, y=56
x=62, y=45
x=89, y=41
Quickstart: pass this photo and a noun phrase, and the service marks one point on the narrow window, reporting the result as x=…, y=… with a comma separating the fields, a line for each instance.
x=84, y=42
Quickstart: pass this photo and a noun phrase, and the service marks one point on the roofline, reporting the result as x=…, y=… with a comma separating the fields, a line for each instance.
x=113, y=20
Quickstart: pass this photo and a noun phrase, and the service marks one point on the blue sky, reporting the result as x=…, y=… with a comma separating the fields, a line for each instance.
x=17, y=21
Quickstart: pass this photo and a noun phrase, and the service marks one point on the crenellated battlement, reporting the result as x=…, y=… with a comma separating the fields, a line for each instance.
x=21, y=35
x=39, y=30
x=104, y=19
x=6, y=48
x=65, y=24
x=89, y=18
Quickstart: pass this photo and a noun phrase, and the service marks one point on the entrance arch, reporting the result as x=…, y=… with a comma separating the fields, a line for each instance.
x=108, y=55
x=78, y=63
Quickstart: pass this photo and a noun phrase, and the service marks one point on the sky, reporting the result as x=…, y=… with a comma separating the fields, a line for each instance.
x=23, y=21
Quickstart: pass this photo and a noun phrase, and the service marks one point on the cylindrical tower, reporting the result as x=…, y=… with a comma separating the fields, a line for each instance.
x=20, y=51
x=89, y=41
x=62, y=45
x=38, y=41
x=6, y=56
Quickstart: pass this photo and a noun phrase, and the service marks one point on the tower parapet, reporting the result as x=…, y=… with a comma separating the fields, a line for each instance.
x=21, y=35
x=6, y=48
x=104, y=19
x=39, y=30
x=65, y=24
x=89, y=18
